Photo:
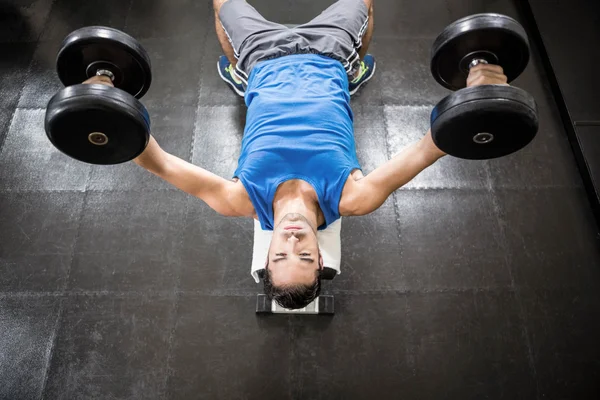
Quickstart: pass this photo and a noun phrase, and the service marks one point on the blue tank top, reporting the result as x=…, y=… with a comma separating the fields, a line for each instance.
x=298, y=126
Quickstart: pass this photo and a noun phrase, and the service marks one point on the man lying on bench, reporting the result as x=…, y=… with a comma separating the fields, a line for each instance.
x=298, y=171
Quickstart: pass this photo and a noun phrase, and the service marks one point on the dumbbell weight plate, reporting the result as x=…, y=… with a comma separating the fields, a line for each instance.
x=97, y=124
x=484, y=122
x=496, y=38
x=89, y=49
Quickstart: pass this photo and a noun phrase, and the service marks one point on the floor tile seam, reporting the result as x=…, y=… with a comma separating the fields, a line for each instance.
x=65, y=286
x=164, y=106
x=175, y=308
x=53, y=341
x=46, y=22
x=388, y=105
x=135, y=190
x=515, y=288
x=142, y=38
x=482, y=189
x=88, y=293
x=198, y=95
x=530, y=188
x=27, y=76
x=405, y=37
x=494, y=188
x=146, y=293
x=3, y=138
x=388, y=151
x=420, y=291
x=211, y=106
x=127, y=14
x=408, y=105
x=170, y=340
x=165, y=294
x=29, y=72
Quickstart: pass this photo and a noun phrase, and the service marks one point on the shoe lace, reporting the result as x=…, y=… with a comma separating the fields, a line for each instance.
x=363, y=70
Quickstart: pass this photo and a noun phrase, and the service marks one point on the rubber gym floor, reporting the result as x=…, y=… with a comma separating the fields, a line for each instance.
x=477, y=280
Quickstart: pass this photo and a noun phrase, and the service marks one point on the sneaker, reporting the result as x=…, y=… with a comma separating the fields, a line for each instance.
x=367, y=70
x=227, y=73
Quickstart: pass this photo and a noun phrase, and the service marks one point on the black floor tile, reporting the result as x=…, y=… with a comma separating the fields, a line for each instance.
x=450, y=239
x=39, y=232
x=407, y=125
x=168, y=18
x=552, y=240
x=173, y=128
x=42, y=81
x=370, y=252
x=213, y=91
x=176, y=69
x=361, y=352
x=129, y=241
x=23, y=21
x=547, y=162
x=469, y=346
x=67, y=15
x=223, y=350
x=404, y=76
x=29, y=161
x=370, y=137
x=217, y=252
x=110, y=347
x=218, y=139
x=13, y=71
x=407, y=18
x=169, y=308
x=564, y=327
x=27, y=330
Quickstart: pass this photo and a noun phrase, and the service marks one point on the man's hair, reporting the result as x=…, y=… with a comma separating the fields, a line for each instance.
x=292, y=296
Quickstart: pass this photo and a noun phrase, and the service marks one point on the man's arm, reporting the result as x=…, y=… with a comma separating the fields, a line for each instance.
x=369, y=193
x=218, y=193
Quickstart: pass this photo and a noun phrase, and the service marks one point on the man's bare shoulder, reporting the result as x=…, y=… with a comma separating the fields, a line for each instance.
x=350, y=194
x=239, y=199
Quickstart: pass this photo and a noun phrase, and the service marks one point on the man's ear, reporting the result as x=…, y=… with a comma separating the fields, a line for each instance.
x=320, y=261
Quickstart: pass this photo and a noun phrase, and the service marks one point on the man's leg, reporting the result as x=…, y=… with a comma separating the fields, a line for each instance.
x=343, y=31
x=366, y=39
x=246, y=37
x=222, y=35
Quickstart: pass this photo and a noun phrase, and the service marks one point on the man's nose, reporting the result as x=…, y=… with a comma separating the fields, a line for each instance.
x=293, y=239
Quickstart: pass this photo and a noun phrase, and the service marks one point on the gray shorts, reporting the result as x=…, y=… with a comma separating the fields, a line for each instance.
x=336, y=33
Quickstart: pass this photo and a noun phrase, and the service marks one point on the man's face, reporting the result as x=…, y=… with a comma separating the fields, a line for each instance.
x=294, y=253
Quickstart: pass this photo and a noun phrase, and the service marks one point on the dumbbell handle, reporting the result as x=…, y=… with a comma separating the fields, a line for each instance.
x=105, y=72
x=477, y=61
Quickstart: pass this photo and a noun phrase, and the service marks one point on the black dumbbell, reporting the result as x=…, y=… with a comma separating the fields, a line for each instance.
x=96, y=123
x=486, y=121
